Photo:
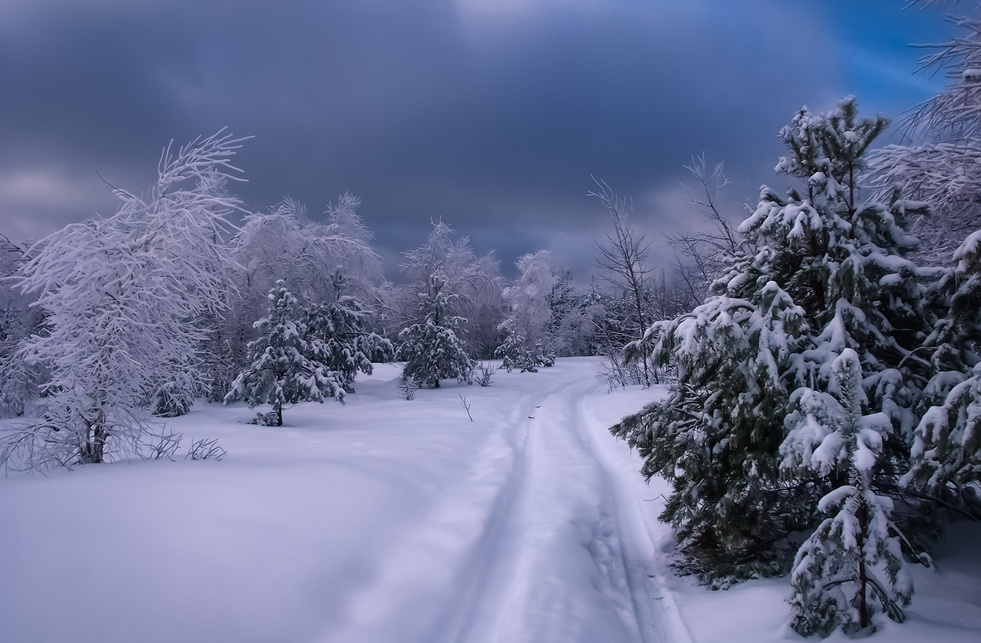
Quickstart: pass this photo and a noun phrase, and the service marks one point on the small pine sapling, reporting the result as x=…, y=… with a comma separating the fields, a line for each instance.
x=283, y=368
x=431, y=349
x=837, y=576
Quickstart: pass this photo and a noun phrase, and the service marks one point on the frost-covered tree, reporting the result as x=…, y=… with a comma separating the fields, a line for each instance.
x=472, y=282
x=122, y=295
x=430, y=347
x=837, y=578
x=830, y=273
x=527, y=344
x=283, y=243
x=701, y=254
x=340, y=335
x=942, y=162
x=18, y=320
x=622, y=261
x=572, y=319
x=283, y=365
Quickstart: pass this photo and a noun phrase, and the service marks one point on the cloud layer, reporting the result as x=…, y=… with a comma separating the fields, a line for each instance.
x=491, y=114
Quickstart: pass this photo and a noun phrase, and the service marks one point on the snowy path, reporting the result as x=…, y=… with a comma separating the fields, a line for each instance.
x=556, y=531
x=561, y=550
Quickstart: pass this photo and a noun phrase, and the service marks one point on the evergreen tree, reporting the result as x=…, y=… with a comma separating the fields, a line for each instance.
x=828, y=273
x=716, y=436
x=431, y=349
x=339, y=334
x=471, y=282
x=836, y=576
x=946, y=452
x=516, y=353
x=283, y=366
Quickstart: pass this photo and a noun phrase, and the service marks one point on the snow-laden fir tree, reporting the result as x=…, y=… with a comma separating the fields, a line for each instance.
x=283, y=243
x=472, y=283
x=865, y=301
x=716, y=436
x=122, y=296
x=828, y=272
x=946, y=452
x=572, y=326
x=339, y=334
x=851, y=567
x=283, y=366
x=430, y=348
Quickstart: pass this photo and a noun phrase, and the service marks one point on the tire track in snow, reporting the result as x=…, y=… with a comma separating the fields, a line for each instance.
x=566, y=554
x=657, y=613
x=495, y=557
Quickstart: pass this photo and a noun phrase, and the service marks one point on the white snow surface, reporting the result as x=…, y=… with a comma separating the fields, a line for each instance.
x=386, y=520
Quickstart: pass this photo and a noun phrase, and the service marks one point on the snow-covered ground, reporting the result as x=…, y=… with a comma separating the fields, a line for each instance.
x=386, y=520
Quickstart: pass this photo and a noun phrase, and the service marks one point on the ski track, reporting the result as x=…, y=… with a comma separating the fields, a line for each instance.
x=567, y=496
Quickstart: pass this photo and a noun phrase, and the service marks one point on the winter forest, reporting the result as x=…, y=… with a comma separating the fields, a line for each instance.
x=803, y=383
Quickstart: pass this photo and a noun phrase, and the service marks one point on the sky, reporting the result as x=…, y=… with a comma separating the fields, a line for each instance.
x=492, y=115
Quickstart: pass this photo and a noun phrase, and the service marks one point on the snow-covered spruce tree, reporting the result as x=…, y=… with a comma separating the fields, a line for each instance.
x=122, y=295
x=946, y=452
x=829, y=273
x=571, y=328
x=339, y=335
x=431, y=349
x=514, y=353
x=716, y=436
x=837, y=579
x=283, y=244
x=283, y=366
x=471, y=281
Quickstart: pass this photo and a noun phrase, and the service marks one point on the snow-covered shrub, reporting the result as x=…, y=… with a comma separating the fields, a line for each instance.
x=205, y=449
x=483, y=374
x=515, y=353
x=161, y=444
x=408, y=387
x=172, y=400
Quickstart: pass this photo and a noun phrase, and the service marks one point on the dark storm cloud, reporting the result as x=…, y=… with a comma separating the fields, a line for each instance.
x=489, y=114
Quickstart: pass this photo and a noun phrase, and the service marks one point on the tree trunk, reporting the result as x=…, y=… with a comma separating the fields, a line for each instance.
x=863, y=577
x=93, y=450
